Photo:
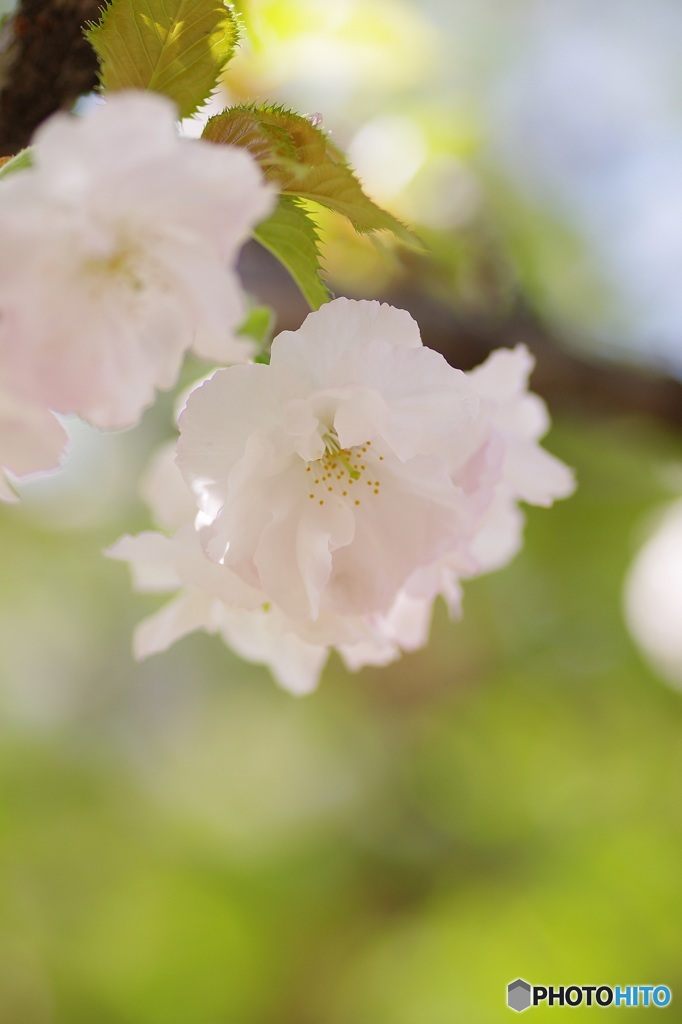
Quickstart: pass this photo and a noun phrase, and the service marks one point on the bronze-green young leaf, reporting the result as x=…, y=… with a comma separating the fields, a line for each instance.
x=176, y=47
x=19, y=162
x=290, y=234
x=304, y=164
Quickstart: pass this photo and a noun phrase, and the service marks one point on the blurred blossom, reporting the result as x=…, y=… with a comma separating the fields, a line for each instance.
x=443, y=193
x=327, y=56
x=133, y=234
x=653, y=596
x=584, y=118
x=395, y=158
x=387, y=152
x=31, y=441
x=96, y=483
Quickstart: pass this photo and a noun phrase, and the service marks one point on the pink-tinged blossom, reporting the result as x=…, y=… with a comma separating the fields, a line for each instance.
x=509, y=456
x=339, y=492
x=323, y=479
x=118, y=255
x=254, y=630
x=211, y=598
x=31, y=441
x=502, y=464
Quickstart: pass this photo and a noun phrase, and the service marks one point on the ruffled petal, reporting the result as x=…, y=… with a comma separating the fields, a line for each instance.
x=261, y=636
x=189, y=611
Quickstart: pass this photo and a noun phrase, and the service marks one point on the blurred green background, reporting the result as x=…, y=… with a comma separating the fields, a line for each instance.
x=183, y=843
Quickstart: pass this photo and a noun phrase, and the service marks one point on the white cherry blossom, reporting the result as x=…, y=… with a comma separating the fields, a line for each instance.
x=207, y=596
x=256, y=631
x=504, y=464
x=323, y=479
x=512, y=423
x=211, y=598
x=351, y=404
x=118, y=251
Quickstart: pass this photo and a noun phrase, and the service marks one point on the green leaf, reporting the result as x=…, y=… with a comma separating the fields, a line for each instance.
x=175, y=47
x=10, y=164
x=291, y=236
x=302, y=161
x=258, y=325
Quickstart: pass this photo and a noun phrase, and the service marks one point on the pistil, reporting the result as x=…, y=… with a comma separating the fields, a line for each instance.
x=334, y=450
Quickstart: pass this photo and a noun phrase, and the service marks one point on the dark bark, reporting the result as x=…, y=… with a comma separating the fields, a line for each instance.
x=45, y=65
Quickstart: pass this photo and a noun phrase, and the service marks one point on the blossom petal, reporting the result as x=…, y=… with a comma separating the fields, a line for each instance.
x=164, y=490
x=189, y=611
x=341, y=326
x=412, y=519
x=32, y=440
x=432, y=405
x=536, y=476
x=504, y=375
x=133, y=235
x=499, y=534
x=248, y=398
x=151, y=559
x=261, y=636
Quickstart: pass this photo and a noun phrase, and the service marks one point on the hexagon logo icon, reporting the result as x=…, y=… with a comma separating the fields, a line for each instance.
x=518, y=995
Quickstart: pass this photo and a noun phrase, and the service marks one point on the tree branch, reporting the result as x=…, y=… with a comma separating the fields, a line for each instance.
x=45, y=65
x=570, y=379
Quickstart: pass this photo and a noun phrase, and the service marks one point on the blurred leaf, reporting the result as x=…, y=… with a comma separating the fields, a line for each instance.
x=258, y=324
x=290, y=234
x=19, y=162
x=174, y=47
x=300, y=158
